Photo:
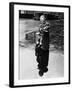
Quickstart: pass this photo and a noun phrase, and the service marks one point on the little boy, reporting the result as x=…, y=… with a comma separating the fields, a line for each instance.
x=42, y=46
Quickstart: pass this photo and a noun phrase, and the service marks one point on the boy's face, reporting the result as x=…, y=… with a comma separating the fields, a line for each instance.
x=42, y=18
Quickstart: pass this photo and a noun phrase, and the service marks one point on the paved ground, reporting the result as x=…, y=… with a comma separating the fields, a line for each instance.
x=27, y=63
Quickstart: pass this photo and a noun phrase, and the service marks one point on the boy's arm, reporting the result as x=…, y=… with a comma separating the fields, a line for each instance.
x=46, y=27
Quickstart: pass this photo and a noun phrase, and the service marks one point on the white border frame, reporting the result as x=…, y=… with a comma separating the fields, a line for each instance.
x=16, y=43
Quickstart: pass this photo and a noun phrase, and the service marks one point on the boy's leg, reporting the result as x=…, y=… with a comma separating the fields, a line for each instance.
x=45, y=59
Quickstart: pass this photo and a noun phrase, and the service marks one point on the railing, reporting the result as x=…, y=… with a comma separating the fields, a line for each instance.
x=31, y=36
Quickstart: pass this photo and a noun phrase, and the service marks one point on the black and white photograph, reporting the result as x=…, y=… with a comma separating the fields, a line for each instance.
x=41, y=44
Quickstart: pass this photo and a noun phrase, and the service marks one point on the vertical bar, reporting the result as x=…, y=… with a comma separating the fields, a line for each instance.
x=11, y=44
